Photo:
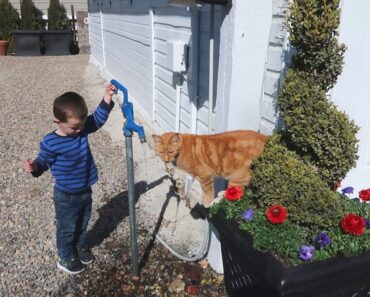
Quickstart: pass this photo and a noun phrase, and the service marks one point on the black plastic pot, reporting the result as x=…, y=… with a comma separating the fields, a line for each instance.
x=27, y=42
x=250, y=273
x=57, y=42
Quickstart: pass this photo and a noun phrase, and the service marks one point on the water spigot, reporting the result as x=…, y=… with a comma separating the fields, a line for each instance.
x=127, y=107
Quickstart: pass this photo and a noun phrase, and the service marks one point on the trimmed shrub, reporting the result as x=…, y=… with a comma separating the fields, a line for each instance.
x=281, y=177
x=317, y=130
x=313, y=33
x=31, y=17
x=57, y=16
x=9, y=20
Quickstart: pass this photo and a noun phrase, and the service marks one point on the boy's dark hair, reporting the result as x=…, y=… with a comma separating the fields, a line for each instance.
x=69, y=104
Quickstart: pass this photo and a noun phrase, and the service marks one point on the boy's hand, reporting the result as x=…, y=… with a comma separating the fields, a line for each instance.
x=29, y=166
x=109, y=91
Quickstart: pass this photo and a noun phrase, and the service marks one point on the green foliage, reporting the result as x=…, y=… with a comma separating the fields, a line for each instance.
x=280, y=177
x=282, y=239
x=344, y=244
x=313, y=33
x=57, y=16
x=232, y=209
x=285, y=240
x=9, y=20
x=31, y=17
x=316, y=129
x=300, y=166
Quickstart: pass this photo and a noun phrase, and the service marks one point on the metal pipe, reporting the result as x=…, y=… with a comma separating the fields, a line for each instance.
x=131, y=204
x=178, y=101
x=211, y=64
x=129, y=127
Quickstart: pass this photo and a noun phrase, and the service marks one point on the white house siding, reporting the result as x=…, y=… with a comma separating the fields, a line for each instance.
x=245, y=35
x=275, y=66
x=203, y=66
x=120, y=38
x=170, y=23
x=95, y=37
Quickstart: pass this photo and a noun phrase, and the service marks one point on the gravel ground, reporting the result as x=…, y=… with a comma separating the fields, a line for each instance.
x=27, y=236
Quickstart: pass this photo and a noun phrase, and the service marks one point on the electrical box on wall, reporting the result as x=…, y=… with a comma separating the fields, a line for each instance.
x=176, y=55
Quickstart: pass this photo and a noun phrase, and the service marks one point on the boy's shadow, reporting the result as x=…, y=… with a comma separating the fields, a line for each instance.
x=112, y=213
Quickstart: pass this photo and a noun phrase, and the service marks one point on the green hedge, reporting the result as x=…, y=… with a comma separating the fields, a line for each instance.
x=31, y=16
x=57, y=16
x=317, y=129
x=9, y=20
x=280, y=177
x=313, y=33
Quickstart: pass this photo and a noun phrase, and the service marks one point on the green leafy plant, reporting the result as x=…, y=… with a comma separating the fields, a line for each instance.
x=9, y=20
x=57, y=16
x=289, y=240
x=31, y=17
x=313, y=27
x=316, y=129
x=291, y=208
x=281, y=177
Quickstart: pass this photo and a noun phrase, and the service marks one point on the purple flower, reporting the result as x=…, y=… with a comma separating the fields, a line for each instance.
x=306, y=252
x=347, y=190
x=367, y=223
x=323, y=239
x=248, y=214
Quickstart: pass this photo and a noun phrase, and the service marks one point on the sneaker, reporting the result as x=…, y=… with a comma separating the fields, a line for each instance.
x=86, y=256
x=73, y=266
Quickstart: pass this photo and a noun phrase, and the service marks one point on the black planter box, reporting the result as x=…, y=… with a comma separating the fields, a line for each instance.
x=57, y=42
x=250, y=273
x=27, y=42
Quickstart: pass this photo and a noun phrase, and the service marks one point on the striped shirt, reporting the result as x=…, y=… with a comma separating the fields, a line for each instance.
x=69, y=157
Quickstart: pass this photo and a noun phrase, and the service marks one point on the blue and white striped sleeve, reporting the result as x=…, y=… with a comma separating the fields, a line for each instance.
x=98, y=118
x=45, y=159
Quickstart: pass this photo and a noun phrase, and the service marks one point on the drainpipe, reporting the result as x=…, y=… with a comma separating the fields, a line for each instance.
x=178, y=77
x=151, y=14
x=102, y=36
x=210, y=70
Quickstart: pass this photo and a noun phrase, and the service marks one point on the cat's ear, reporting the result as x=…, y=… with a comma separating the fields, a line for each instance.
x=175, y=138
x=157, y=138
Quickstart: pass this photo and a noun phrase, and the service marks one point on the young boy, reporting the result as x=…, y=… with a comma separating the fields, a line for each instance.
x=67, y=153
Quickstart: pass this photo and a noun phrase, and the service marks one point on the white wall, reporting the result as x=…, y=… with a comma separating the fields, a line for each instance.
x=351, y=92
x=170, y=23
x=128, y=44
x=245, y=36
x=121, y=40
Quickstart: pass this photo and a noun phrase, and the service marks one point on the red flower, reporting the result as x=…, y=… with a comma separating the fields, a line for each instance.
x=364, y=195
x=353, y=224
x=234, y=193
x=276, y=214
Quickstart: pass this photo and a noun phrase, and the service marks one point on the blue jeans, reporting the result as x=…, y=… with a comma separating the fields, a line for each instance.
x=72, y=212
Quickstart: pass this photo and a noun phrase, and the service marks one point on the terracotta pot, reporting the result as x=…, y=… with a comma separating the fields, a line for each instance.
x=3, y=47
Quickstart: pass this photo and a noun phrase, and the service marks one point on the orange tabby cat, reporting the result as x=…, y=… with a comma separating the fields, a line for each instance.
x=227, y=154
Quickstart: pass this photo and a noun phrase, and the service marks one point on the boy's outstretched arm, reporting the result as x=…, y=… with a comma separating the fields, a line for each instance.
x=38, y=166
x=100, y=115
x=109, y=91
x=29, y=166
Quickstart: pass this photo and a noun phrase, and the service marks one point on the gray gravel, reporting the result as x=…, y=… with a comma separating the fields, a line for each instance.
x=27, y=234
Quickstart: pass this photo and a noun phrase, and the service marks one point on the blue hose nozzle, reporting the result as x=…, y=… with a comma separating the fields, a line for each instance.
x=129, y=126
